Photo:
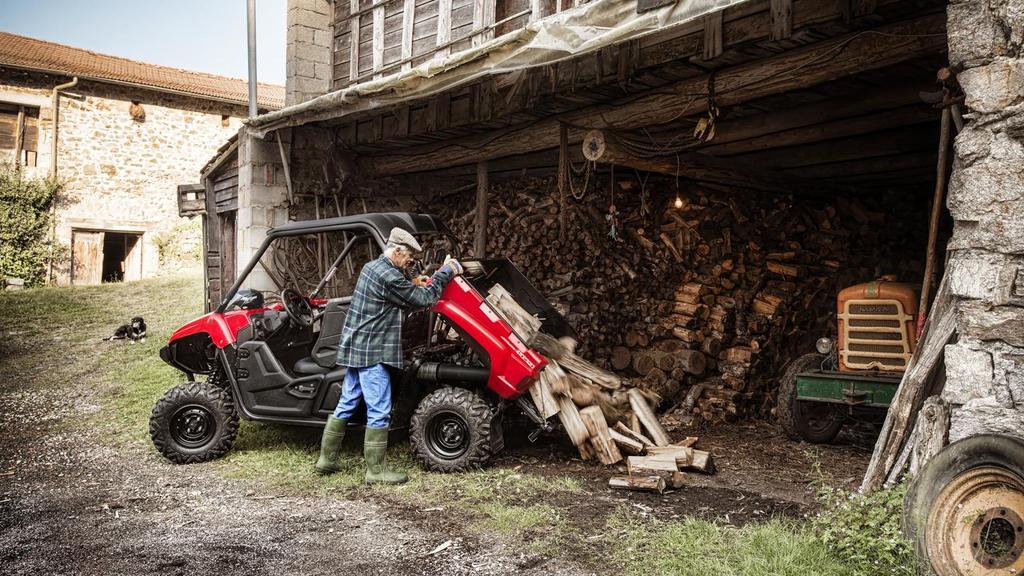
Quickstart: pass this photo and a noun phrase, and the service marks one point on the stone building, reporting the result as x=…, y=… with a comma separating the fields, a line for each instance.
x=826, y=99
x=128, y=134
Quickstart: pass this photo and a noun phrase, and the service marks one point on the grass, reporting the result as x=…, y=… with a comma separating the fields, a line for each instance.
x=51, y=337
x=698, y=547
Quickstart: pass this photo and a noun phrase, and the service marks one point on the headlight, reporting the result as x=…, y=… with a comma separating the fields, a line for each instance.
x=823, y=345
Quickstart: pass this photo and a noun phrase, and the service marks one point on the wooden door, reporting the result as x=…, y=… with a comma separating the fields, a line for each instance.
x=86, y=257
x=133, y=257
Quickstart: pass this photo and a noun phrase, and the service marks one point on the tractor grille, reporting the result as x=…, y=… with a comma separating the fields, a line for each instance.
x=875, y=335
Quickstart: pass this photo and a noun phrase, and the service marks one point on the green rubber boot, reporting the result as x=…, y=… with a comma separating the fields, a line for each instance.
x=330, y=446
x=375, y=445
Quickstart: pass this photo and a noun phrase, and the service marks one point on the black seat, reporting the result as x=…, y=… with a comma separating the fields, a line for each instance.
x=324, y=355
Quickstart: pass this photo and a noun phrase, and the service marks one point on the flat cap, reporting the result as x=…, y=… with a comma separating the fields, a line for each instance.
x=400, y=236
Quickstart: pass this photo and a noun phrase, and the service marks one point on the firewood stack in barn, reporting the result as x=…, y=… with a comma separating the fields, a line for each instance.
x=699, y=296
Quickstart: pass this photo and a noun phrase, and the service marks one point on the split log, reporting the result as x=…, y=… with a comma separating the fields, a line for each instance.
x=543, y=397
x=626, y=443
x=633, y=434
x=685, y=457
x=638, y=483
x=647, y=418
x=600, y=437
x=573, y=424
x=662, y=466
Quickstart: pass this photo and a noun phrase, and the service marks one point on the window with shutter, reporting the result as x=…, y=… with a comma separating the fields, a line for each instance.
x=19, y=134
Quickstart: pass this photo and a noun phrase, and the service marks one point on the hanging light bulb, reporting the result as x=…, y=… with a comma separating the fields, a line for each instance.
x=679, y=202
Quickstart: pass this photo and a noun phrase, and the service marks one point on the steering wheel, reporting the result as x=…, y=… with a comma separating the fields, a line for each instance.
x=297, y=307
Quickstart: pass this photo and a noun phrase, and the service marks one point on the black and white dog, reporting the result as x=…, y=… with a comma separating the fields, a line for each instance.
x=134, y=331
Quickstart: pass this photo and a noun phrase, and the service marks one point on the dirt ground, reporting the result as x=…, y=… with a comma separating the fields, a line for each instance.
x=72, y=504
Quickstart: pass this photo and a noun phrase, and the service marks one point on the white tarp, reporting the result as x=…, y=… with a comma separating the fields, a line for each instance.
x=553, y=39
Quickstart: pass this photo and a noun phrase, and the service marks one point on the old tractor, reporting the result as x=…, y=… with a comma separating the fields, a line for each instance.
x=856, y=374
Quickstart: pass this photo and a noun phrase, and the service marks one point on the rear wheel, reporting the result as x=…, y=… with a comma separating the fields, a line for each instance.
x=964, y=512
x=450, y=430
x=816, y=422
x=194, y=422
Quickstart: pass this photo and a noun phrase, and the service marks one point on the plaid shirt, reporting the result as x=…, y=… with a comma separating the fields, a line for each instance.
x=373, y=328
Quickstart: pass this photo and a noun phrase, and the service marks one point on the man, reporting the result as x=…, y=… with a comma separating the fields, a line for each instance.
x=370, y=342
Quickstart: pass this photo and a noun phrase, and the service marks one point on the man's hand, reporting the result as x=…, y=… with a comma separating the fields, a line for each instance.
x=451, y=266
x=422, y=280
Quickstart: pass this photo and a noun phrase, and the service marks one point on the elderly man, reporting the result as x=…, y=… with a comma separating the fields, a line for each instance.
x=370, y=342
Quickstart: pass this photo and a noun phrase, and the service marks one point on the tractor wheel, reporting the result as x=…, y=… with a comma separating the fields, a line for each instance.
x=450, y=430
x=194, y=422
x=815, y=422
x=964, y=512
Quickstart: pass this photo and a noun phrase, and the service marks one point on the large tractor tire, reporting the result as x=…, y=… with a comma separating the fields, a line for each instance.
x=450, y=430
x=964, y=511
x=194, y=422
x=815, y=422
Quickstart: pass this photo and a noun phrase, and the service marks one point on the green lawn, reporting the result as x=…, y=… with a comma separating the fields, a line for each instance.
x=68, y=322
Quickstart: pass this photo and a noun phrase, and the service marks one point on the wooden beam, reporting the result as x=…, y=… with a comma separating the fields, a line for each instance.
x=483, y=17
x=807, y=132
x=800, y=68
x=598, y=146
x=781, y=19
x=480, y=239
x=408, y=20
x=444, y=27
x=19, y=138
x=353, y=40
x=378, y=40
x=713, y=35
x=841, y=149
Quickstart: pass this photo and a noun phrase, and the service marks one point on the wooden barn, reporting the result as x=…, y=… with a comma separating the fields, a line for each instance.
x=700, y=175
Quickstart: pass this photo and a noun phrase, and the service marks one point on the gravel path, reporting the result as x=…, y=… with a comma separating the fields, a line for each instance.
x=69, y=504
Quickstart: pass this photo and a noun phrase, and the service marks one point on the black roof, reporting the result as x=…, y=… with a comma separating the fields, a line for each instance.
x=379, y=222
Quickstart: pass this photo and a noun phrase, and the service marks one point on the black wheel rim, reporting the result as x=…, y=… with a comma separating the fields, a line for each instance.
x=448, y=435
x=193, y=426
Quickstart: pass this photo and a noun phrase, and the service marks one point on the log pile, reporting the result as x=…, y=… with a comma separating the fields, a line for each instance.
x=701, y=297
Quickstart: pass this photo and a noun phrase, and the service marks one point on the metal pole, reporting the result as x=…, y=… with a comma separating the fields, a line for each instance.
x=251, y=24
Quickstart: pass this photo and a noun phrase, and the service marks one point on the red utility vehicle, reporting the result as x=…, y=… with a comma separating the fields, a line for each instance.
x=464, y=365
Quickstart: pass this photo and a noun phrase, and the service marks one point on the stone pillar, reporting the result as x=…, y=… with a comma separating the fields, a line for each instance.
x=310, y=40
x=985, y=367
x=262, y=200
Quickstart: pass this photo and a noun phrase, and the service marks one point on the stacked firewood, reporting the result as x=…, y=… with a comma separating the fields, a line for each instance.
x=700, y=295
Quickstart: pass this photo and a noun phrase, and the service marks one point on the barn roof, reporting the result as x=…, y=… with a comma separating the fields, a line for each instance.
x=42, y=56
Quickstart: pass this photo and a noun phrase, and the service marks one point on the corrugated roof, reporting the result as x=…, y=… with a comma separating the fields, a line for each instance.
x=39, y=55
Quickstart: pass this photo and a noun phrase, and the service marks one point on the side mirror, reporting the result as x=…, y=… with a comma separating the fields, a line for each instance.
x=246, y=299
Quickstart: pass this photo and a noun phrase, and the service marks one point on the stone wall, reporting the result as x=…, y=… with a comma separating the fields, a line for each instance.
x=985, y=366
x=122, y=174
x=308, y=65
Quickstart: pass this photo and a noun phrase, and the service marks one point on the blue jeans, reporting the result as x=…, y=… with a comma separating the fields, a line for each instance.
x=371, y=384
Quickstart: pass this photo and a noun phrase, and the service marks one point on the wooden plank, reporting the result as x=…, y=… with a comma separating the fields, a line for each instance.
x=541, y=394
x=378, y=40
x=637, y=483
x=647, y=417
x=713, y=35
x=480, y=236
x=444, y=27
x=353, y=70
x=573, y=424
x=819, y=62
x=782, y=19
x=408, y=19
x=483, y=17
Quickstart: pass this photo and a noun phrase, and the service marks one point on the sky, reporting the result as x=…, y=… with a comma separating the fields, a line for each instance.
x=202, y=35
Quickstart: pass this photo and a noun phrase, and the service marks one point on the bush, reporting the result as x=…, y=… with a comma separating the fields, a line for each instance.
x=864, y=530
x=25, y=205
x=181, y=244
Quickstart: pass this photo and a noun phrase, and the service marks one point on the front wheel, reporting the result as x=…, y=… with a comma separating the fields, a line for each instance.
x=815, y=422
x=194, y=422
x=964, y=511
x=450, y=430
